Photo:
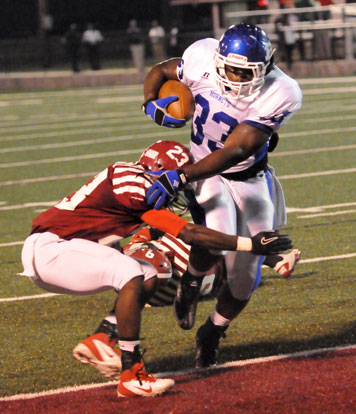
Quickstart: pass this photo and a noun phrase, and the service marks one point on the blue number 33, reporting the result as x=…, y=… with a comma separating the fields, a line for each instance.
x=218, y=117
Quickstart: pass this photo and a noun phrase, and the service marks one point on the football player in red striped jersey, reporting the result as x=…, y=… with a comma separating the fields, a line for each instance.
x=69, y=248
x=146, y=244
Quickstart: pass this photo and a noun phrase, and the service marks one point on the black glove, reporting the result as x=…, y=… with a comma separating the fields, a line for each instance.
x=269, y=242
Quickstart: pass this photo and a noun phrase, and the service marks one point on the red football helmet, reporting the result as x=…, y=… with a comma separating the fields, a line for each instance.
x=165, y=155
x=150, y=253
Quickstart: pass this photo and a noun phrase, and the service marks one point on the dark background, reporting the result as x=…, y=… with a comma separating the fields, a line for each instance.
x=19, y=18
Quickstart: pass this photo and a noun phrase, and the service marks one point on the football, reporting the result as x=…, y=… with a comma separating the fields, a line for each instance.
x=184, y=107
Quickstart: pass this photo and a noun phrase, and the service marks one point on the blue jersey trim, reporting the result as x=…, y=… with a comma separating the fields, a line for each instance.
x=255, y=124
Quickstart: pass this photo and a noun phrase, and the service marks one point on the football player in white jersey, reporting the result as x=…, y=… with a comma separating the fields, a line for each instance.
x=241, y=98
x=69, y=248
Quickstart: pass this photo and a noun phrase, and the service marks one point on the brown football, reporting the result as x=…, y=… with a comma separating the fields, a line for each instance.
x=184, y=107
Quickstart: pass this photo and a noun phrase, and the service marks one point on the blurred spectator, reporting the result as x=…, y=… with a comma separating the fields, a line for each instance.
x=262, y=5
x=322, y=41
x=305, y=17
x=286, y=3
x=325, y=14
x=92, y=38
x=286, y=36
x=46, y=26
x=157, y=37
x=136, y=42
x=72, y=42
x=175, y=40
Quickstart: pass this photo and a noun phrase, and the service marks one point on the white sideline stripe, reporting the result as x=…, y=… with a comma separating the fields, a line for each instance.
x=81, y=131
x=64, y=177
x=323, y=259
x=313, y=81
x=325, y=91
x=303, y=261
x=39, y=296
x=52, y=178
x=333, y=213
x=72, y=158
x=26, y=205
x=11, y=244
x=313, y=150
x=317, y=174
x=117, y=99
x=117, y=139
x=318, y=209
x=183, y=372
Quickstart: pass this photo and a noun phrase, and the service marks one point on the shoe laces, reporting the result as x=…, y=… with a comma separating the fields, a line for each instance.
x=143, y=375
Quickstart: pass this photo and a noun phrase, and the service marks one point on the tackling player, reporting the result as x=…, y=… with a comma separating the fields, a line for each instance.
x=241, y=99
x=170, y=257
x=68, y=250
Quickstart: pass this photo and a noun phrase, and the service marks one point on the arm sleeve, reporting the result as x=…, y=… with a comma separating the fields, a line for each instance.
x=165, y=221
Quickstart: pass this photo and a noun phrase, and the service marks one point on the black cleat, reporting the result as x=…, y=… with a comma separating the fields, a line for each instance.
x=207, y=343
x=186, y=300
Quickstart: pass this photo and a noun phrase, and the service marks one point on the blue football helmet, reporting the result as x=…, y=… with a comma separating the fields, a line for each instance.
x=243, y=46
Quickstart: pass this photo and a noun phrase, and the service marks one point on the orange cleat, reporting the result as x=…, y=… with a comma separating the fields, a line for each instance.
x=99, y=351
x=138, y=382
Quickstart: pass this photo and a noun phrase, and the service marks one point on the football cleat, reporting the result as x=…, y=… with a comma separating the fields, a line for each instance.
x=99, y=351
x=207, y=344
x=286, y=266
x=138, y=382
x=186, y=301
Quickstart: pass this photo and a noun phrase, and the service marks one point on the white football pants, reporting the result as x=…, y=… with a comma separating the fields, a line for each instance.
x=242, y=208
x=78, y=266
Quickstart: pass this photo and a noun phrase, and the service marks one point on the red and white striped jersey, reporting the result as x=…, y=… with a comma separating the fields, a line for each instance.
x=106, y=209
x=178, y=253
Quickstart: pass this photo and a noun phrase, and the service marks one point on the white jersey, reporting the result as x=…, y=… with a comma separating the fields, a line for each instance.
x=216, y=116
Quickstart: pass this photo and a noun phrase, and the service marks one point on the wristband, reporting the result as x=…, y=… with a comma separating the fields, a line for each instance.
x=183, y=177
x=244, y=244
x=143, y=106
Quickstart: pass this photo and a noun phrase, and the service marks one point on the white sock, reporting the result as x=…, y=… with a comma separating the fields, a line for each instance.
x=111, y=319
x=128, y=345
x=218, y=320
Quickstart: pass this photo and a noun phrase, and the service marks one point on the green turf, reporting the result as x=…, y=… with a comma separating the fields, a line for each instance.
x=313, y=309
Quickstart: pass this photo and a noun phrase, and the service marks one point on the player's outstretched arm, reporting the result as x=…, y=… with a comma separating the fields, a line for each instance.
x=263, y=243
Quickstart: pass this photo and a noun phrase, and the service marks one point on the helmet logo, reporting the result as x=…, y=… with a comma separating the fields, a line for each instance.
x=233, y=58
x=150, y=153
x=178, y=155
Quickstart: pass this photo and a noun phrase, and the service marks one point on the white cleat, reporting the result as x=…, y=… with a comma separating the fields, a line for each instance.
x=286, y=266
x=98, y=350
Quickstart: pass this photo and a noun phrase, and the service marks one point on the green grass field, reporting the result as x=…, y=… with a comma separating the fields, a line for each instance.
x=53, y=141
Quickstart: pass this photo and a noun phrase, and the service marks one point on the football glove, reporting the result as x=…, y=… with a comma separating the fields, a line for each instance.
x=270, y=242
x=163, y=191
x=157, y=111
